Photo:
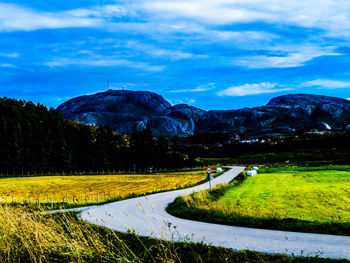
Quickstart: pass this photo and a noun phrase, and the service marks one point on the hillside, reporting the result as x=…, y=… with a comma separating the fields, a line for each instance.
x=122, y=110
x=289, y=114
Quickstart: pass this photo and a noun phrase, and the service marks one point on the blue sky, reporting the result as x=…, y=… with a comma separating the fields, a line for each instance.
x=217, y=54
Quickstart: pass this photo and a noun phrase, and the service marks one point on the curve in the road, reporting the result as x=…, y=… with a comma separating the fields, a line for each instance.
x=147, y=216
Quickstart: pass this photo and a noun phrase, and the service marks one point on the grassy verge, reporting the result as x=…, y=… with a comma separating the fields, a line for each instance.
x=38, y=237
x=315, y=201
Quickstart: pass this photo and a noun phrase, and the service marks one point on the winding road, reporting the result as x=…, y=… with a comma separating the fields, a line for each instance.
x=147, y=216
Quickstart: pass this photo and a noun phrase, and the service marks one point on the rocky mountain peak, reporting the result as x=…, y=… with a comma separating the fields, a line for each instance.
x=304, y=100
x=122, y=110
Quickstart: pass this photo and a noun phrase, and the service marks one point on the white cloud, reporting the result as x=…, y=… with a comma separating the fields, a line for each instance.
x=181, y=15
x=159, y=52
x=6, y=65
x=215, y=12
x=327, y=83
x=295, y=58
x=194, y=22
x=200, y=88
x=182, y=101
x=10, y=55
x=173, y=54
x=105, y=11
x=328, y=15
x=105, y=63
x=14, y=17
x=242, y=36
x=252, y=89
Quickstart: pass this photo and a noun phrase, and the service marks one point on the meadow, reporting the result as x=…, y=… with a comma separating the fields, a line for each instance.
x=88, y=189
x=38, y=237
x=311, y=199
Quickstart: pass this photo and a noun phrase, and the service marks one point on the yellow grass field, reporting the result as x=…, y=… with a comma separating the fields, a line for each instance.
x=91, y=188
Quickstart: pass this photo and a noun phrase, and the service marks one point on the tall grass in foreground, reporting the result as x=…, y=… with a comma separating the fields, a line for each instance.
x=35, y=237
x=39, y=237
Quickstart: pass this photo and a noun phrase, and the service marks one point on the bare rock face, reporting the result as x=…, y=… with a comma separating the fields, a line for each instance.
x=122, y=110
x=284, y=115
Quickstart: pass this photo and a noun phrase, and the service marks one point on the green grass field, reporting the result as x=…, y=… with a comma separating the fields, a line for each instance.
x=315, y=200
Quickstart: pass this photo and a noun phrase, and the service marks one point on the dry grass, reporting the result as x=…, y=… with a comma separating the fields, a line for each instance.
x=87, y=188
x=34, y=237
x=39, y=237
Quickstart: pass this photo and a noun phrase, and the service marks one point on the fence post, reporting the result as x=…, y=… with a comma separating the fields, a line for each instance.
x=98, y=197
x=52, y=202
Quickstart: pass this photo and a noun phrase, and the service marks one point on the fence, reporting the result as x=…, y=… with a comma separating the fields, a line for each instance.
x=65, y=201
x=97, y=172
x=79, y=199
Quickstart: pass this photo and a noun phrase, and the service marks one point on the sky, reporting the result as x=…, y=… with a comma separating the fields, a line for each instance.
x=212, y=54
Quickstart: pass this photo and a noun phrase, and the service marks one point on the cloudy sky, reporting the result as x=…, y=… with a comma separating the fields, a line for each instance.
x=213, y=54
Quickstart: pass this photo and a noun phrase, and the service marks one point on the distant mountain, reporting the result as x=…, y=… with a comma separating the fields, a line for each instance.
x=122, y=110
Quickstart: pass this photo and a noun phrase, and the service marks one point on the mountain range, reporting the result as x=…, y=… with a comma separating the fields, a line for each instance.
x=121, y=110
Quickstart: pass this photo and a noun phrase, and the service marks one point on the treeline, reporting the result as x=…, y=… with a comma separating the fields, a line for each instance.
x=331, y=148
x=34, y=138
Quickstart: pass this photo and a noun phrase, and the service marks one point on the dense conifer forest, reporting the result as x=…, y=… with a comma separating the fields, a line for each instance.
x=35, y=139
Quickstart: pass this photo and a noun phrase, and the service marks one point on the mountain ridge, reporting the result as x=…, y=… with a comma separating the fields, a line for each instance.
x=121, y=110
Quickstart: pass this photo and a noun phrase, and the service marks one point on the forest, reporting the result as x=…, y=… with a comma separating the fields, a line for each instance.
x=36, y=139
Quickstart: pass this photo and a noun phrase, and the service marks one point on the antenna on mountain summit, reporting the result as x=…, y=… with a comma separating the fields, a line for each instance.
x=123, y=87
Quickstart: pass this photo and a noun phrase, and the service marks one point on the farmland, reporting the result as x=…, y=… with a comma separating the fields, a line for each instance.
x=92, y=188
x=312, y=200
